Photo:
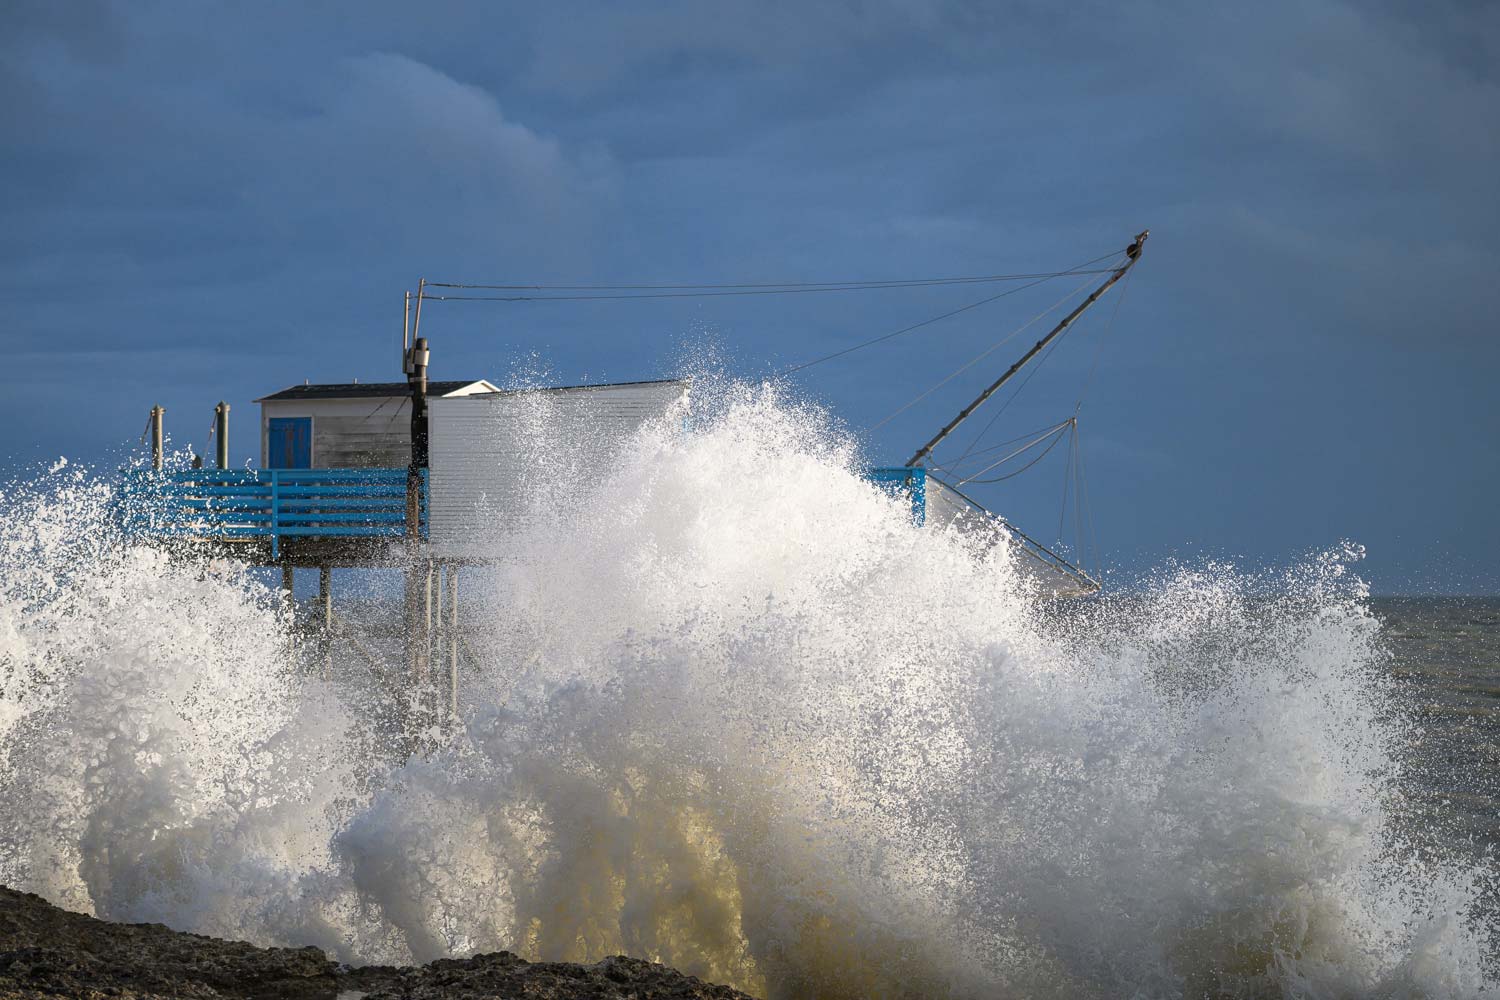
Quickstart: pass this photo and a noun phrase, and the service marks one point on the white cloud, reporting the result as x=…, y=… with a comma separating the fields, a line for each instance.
x=400, y=153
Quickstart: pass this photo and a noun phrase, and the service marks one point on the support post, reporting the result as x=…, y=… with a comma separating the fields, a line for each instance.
x=418, y=568
x=453, y=642
x=158, y=437
x=429, y=582
x=416, y=379
x=221, y=428
x=288, y=579
x=438, y=585
x=325, y=598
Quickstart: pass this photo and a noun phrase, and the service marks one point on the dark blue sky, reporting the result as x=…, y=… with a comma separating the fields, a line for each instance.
x=207, y=201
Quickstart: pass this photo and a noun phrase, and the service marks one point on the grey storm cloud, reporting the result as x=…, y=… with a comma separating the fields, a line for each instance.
x=386, y=130
x=192, y=183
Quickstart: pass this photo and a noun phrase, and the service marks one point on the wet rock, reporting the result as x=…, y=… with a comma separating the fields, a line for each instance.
x=48, y=952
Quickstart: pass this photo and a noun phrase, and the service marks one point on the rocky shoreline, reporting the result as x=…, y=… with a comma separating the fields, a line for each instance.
x=49, y=952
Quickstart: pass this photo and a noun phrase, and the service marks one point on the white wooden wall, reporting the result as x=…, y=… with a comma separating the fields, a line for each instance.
x=491, y=454
x=348, y=433
x=945, y=506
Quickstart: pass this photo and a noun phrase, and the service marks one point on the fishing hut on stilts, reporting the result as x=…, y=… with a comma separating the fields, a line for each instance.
x=410, y=476
x=407, y=475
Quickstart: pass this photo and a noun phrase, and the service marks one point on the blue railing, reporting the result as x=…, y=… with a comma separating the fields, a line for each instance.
x=272, y=504
x=904, y=482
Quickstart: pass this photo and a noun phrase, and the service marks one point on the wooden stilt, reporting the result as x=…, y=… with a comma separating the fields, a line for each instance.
x=288, y=579
x=440, y=572
x=418, y=625
x=325, y=598
x=425, y=667
x=452, y=637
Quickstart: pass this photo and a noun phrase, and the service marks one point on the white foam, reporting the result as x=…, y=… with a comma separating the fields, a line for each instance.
x=736, y=714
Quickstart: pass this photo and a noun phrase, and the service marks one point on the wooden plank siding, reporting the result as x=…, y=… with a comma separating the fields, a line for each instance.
x=349, y=433
x=491, y=452
x=357, y=442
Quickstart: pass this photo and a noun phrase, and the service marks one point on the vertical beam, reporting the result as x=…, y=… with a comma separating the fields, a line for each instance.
x=423, y=664
x=221, y=427
x=453, y=641
x=435, y=651
x=418, y=569
x=288, y=579
x=325, y=598
x=416, y=381
x=437, y=605
x=157, y=437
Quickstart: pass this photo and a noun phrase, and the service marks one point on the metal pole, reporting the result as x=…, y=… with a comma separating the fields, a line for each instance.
x=416, y=380
x=325, y=597
x=221, y=427
x=1133, y=253
x=418, y=569
x=157, y=437
x=416, y=324
x=453, y=641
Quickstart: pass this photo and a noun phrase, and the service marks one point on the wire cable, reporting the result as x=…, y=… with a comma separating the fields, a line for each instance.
x=1093, y=536
x=980, y=452
x=1017, y=391
x=978, y=358
x=1055, y=433
x=717, y=294
x=907, y=329
x=772, y=286
x=1103, y=336
x=1028, y=465
x=1062, y=515
x=709, y=290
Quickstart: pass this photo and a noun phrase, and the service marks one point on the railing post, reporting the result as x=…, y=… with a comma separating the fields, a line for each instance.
x=275, y=515
x=221, y=427
x=157, y=437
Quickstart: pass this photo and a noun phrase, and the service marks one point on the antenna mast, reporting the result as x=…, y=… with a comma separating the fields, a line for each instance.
x=1132, y=253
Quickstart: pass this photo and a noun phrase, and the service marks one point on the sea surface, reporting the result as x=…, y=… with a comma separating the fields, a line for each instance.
x=1445, y=654
x=783, y=740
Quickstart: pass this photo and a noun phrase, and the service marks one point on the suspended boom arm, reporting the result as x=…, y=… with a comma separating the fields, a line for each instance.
x=1132, y=254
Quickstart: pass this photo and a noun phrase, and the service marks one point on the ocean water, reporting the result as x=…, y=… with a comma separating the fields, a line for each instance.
x=1445, y=655
x=761, y=728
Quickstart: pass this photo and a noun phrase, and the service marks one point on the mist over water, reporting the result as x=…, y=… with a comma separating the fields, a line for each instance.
x=729, y=710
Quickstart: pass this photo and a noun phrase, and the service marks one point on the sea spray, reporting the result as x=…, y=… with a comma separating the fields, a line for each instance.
x=732, y=711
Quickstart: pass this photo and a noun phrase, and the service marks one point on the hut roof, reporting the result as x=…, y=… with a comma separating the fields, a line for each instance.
x=366, y=390
x=586, y=386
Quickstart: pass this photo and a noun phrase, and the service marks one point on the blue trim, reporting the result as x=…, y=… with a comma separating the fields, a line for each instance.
x=289, y=442
x=904, y=480
x=269, y=503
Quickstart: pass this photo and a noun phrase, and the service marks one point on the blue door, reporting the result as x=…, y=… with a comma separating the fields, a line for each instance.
x=289, y=443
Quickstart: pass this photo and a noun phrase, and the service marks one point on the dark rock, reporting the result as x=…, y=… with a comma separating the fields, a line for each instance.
x=49, y=952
